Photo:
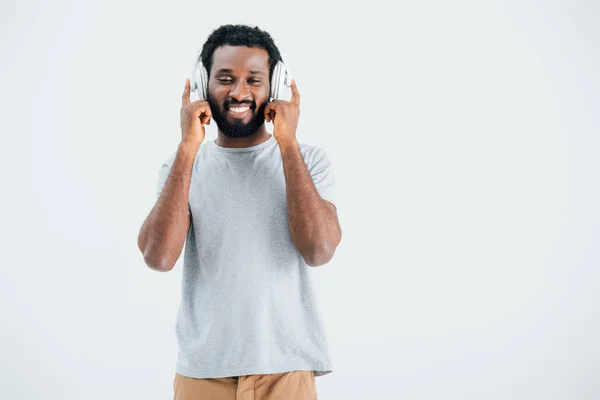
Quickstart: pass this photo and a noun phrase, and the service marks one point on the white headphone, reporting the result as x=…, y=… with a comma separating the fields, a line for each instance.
x=280, y=79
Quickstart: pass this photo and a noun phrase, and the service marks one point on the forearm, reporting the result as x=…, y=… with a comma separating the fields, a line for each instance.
x=163, y=234
x=308, y=217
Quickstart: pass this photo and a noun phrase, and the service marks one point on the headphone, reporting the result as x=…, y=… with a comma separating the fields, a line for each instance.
x=280, y=79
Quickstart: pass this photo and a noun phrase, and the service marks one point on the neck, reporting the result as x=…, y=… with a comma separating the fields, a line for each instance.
x=259, y=136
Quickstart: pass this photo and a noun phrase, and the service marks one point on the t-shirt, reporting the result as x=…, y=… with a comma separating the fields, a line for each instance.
x=247, y=302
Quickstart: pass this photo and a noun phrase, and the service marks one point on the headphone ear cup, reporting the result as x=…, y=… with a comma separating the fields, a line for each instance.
x=275, y=79
x=204, y=80
x=199, y=79
x=193, y=82
x=281, y=79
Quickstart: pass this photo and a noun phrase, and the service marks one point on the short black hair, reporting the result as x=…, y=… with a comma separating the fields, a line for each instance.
x=239, y=35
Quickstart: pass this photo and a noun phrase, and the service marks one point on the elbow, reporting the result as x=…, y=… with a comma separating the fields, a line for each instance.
x=155, y=262
x=318, y=255
x=158, y=265
x=321, y=252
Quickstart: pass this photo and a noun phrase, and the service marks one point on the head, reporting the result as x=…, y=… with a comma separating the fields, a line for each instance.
x=239, y=61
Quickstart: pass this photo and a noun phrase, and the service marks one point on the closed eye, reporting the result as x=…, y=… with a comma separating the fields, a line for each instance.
x=226, y=80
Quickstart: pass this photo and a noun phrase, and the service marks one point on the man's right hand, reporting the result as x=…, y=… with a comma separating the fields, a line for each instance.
x=193, y=117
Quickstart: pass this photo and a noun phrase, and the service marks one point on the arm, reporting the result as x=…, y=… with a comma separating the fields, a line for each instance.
x=164, y=231
x=313, y=222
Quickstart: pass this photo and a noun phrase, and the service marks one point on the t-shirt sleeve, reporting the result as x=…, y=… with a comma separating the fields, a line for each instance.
x=163, y=174
x=323, y=174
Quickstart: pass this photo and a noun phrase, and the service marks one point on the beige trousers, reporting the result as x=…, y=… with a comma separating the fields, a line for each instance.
x=293, y=385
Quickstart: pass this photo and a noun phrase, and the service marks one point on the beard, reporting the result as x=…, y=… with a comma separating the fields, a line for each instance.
x=237, y=129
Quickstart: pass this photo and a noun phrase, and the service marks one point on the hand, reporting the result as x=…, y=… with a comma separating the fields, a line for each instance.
x=284, y=115
x=193, y=117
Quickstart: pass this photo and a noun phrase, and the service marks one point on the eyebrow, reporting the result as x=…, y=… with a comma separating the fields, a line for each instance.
x=229, y=70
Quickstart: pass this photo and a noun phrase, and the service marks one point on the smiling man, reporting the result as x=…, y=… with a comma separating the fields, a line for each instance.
x=242, y=118
x=256, y=212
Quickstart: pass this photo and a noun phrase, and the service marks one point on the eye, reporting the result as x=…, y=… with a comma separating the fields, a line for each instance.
x=254, y=80
x=224, y=80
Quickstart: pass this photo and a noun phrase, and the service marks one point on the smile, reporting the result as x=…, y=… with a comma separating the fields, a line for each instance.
x=239, y=111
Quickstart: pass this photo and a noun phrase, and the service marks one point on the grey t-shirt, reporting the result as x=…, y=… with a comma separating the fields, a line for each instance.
x=247, y=301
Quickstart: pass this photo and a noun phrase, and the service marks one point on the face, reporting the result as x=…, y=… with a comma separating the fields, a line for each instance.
x=238, y=89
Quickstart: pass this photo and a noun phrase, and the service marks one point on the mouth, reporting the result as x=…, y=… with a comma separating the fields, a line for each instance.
x=239, y=111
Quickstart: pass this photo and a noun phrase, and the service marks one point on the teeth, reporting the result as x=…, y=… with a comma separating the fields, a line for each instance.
x=238, y=109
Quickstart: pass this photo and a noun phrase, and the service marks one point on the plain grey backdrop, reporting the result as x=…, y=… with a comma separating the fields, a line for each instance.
x=465, y=139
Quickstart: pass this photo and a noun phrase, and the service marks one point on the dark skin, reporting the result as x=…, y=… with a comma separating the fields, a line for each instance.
x=241, y=84
x=242, y=73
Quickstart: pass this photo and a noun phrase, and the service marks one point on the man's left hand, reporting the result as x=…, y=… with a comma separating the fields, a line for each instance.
x=284, y=115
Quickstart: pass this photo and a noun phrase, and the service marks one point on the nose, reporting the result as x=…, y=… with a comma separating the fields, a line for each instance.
x=240, y=91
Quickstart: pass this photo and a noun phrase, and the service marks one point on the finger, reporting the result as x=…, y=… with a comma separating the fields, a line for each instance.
x=206, y=116
x=201, y=108
x=185, y=98
x=295, y=94
x=271, y=110
x=268, y=112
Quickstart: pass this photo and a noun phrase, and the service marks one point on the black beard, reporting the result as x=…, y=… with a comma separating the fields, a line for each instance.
x=238, y=129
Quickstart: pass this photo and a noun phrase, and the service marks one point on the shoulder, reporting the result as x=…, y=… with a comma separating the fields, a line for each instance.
x=169, y=159
x=313, y=154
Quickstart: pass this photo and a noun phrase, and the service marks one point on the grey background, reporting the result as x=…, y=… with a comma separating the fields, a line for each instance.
x=465, y=138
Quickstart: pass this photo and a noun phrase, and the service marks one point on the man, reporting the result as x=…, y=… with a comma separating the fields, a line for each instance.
x=259, y=214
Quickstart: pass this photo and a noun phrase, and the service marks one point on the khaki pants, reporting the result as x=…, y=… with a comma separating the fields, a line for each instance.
x=293, y=385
